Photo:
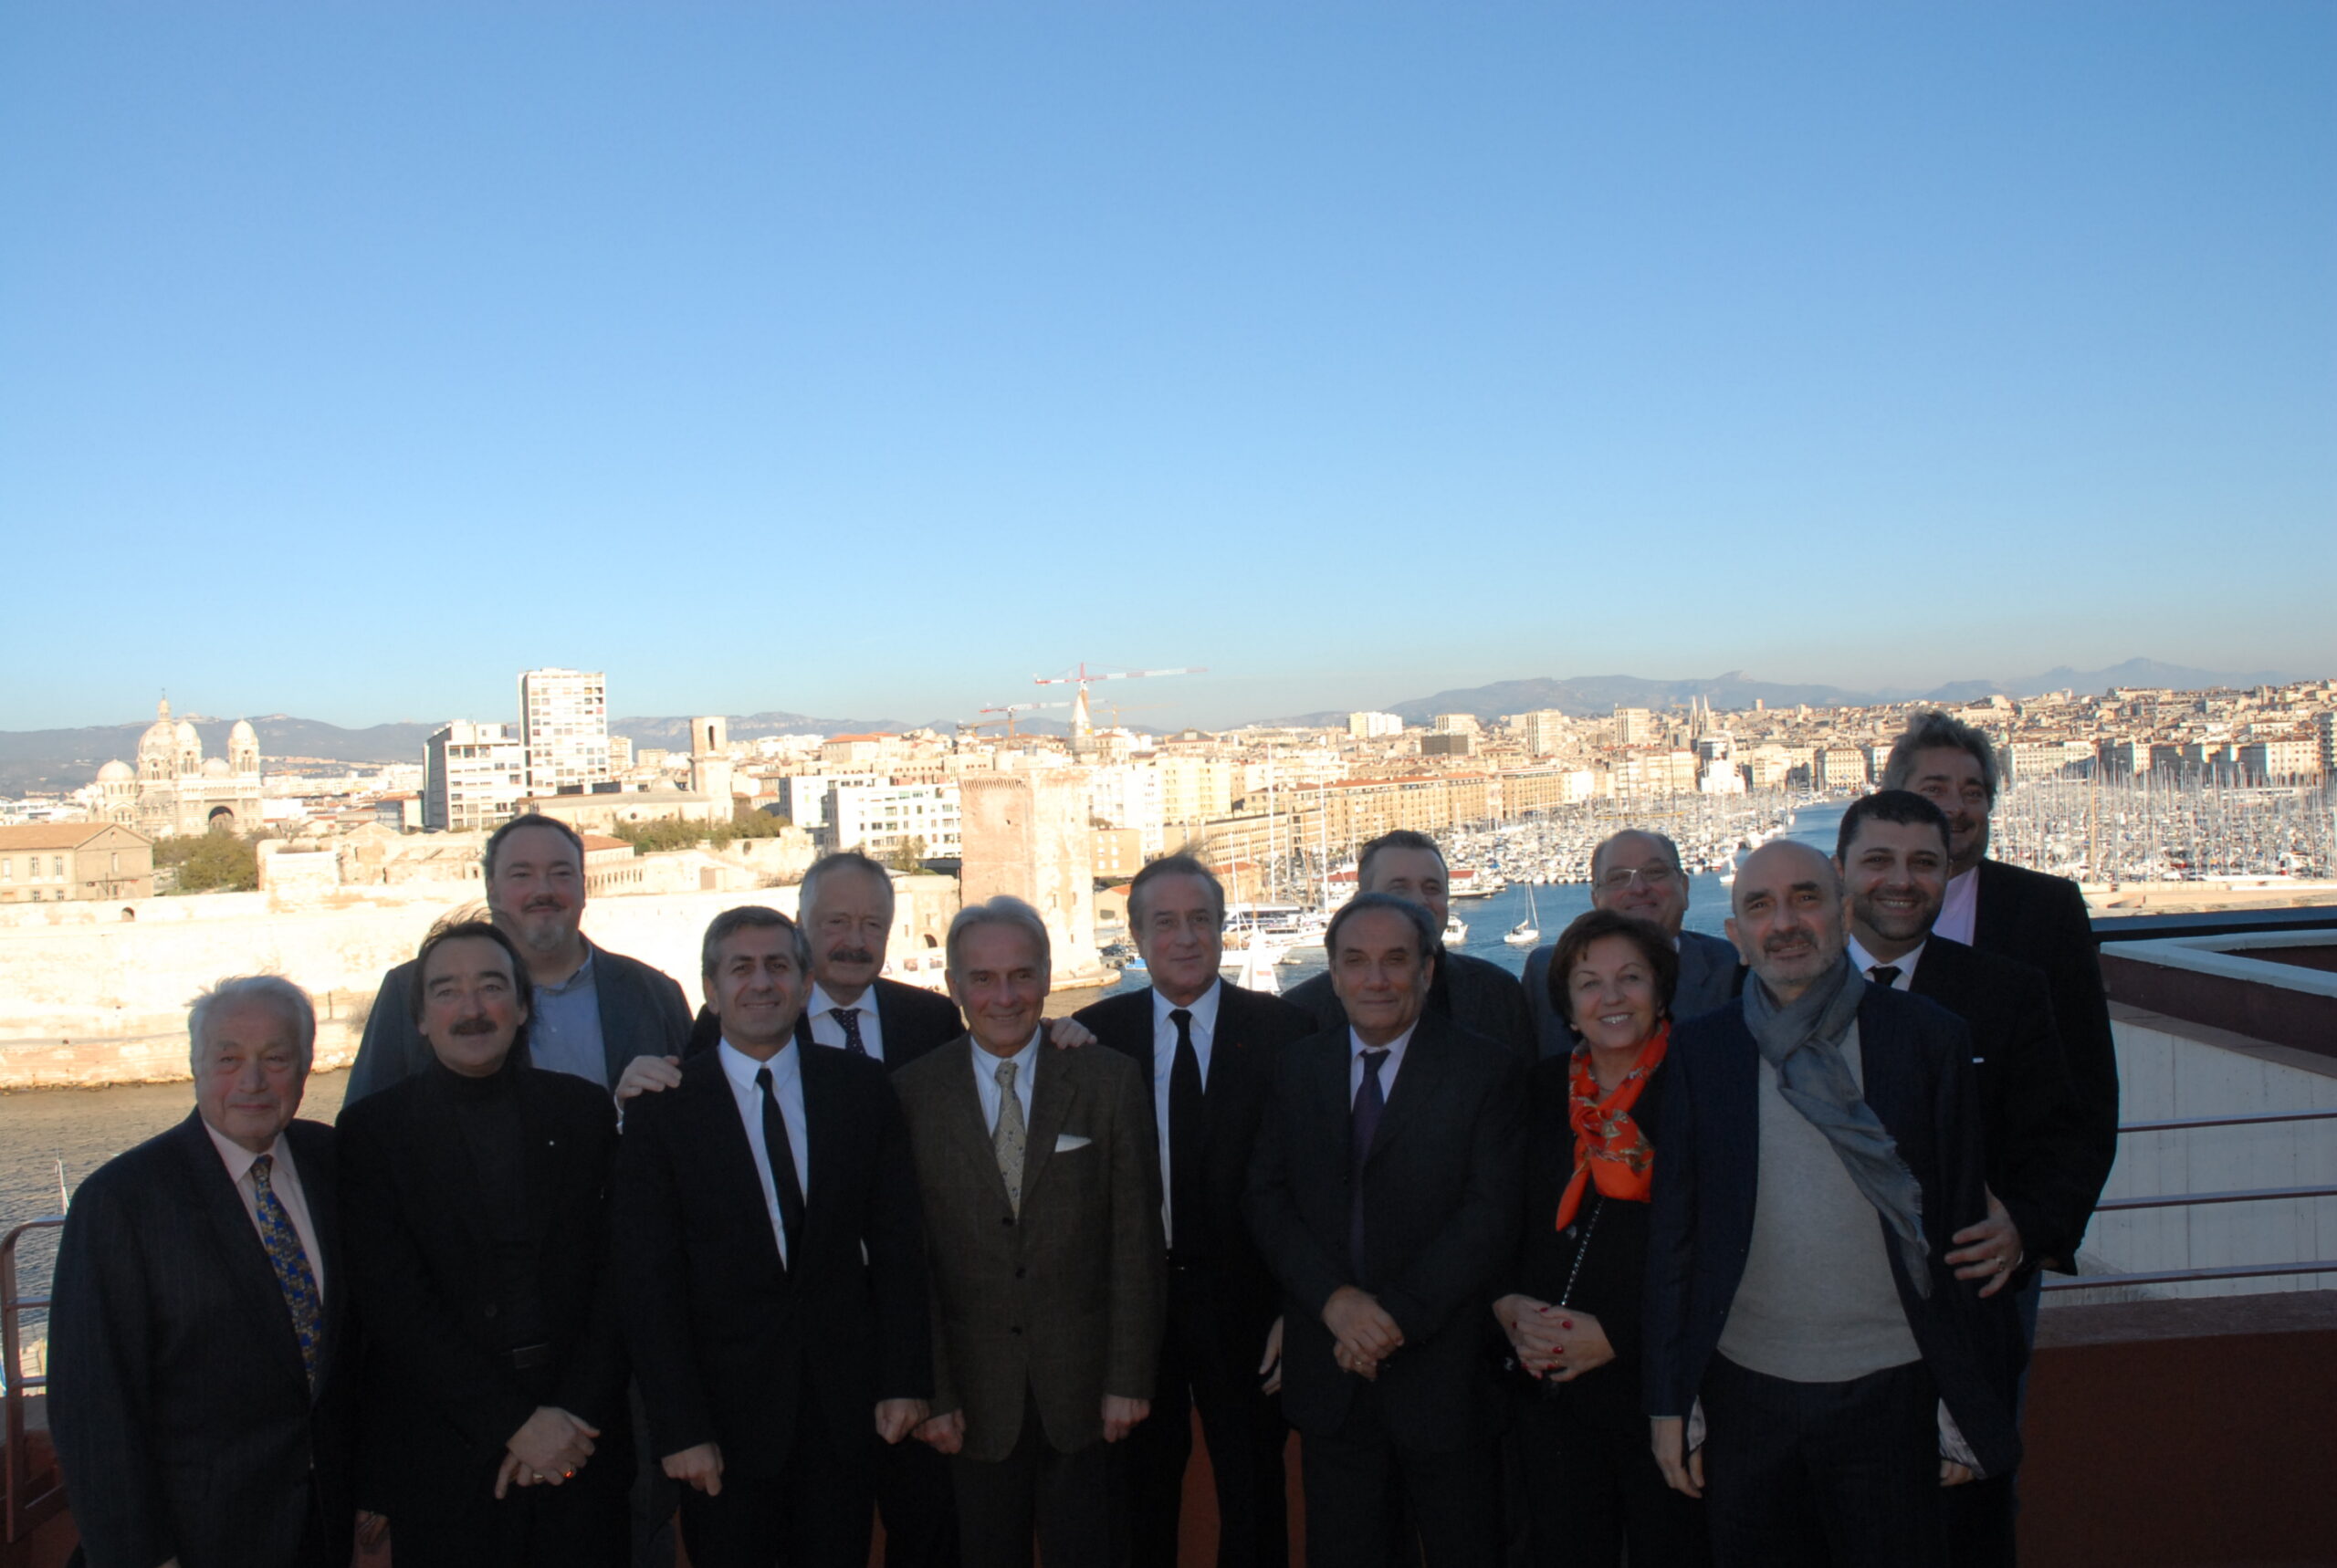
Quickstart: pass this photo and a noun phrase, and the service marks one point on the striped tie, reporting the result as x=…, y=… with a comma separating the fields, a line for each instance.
x=290, y=1261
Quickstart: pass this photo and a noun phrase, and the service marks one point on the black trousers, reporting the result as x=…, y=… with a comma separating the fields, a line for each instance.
x=1809, y=1475
x=1063, y=1501
x=1243, y=1428
x=1355, y=1478
x=815, y=1513
x=1591, y=1487
x=584, y=1523
x=918, y=1504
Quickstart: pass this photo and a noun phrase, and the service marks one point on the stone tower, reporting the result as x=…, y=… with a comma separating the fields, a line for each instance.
x=1027, y=834
x=711, y=759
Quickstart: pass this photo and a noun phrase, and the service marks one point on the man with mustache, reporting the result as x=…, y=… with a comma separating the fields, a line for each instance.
x=591, y=1012
x=1638, y=873
x=1822, y=1147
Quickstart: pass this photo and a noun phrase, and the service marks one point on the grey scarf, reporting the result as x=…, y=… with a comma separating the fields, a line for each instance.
x=1803, y=1041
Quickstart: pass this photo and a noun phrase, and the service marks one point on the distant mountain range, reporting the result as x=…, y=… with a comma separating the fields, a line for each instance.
x=55, y=759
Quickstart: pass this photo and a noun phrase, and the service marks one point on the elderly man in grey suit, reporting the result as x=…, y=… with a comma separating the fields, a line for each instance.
x=593, y=1013
x=1638, y=873
x=199, y=1360
x=1042, y=1225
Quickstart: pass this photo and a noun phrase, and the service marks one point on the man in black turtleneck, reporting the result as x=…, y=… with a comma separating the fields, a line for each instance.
x=476, y=1197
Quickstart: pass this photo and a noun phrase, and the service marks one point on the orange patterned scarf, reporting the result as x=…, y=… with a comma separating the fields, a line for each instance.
x=1608, y=1148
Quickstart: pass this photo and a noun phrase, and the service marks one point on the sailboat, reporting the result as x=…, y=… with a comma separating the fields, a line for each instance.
x=1528, y=931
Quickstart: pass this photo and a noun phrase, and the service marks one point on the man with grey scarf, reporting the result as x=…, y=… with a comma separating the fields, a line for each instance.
x=1821, y=1146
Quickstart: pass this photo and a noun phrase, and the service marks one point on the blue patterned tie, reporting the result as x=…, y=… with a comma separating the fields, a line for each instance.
x=290, y=1260
x=850, y=1019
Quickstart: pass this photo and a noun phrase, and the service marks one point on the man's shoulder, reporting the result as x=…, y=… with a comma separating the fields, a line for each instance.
x=1119, y=1015
x=1718, y=1028
x=1463, y=1046
x=1273, y=1019
x=915, y=999
x=569, y=1095
x=1717, y=948
x=1959, y=966
x=929, y=1073
x=1887, y=1010
x=632, y=971
x=2002, y=882
x=1480, y=971
x=158, y=1164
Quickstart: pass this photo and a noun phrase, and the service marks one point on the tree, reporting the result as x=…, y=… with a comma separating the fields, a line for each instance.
x=215, y=862
x=908, y=855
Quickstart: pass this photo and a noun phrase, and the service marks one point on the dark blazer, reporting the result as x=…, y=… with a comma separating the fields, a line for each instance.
x=1710, y=974
x=728, y=1346
x=1918, y=1080
x=441, y=1397
x=1482, y=997
x=914, y=1021
x=2040, y=1155
x=1066, y=1300
x=181, y=1414
x=1252, y=1031
x=2041, y=920
x=1441, y=1195
x=1610, y=1277
x=643, y=1013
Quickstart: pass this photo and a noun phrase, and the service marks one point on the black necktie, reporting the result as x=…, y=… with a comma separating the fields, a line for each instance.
x=850, y=1019
x=1885, y=973
x=1368, y=1102
x=780, y=1151
x=1188, y=1200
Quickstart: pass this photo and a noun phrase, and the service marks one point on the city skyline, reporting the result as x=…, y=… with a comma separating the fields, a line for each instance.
x=872, y=363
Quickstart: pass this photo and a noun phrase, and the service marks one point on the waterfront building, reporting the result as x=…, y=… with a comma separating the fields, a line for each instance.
x=473, y=775
x=1373, y=726
x=2296, y=757
x=1547, y=732
x=564, y=724
x=1124, y=796
x=50, y=863
x=878, y=820
x=1636, y=727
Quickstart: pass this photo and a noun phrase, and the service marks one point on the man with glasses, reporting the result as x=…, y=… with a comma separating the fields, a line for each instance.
x=1638, y=873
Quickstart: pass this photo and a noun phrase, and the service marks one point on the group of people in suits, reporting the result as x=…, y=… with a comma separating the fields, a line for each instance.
x=1678, y=1253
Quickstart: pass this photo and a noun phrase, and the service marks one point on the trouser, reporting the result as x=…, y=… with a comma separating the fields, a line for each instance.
x=653, y=1498
x=1037, y=1490
x=1592, y=1488
x=1243, y=1428
x=1822, y=1475
x=816, y=1512
x=918, y=1504
x=1983, y=1515
x=1355, y=1478
x=580, y=1523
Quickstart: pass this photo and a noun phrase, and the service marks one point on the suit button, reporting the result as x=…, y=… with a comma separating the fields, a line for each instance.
x=1008, y=1221
x=1016, y=1329
x=490, y=1309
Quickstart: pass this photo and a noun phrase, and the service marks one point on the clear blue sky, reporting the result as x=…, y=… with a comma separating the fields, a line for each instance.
x=863, y=360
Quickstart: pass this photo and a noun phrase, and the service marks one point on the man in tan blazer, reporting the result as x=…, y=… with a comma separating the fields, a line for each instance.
x=1042, y=1223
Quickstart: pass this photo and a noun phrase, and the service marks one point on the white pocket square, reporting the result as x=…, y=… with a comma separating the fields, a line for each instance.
x=1066, y=1141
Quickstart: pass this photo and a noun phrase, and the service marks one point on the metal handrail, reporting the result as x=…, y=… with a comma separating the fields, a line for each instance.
x=2217, y=923
x=2185, y=1276
x=2185, y=1199
x=2253, y=1119
x=26, y=1511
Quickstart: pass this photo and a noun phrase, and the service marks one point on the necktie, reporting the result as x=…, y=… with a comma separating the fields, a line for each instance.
x=290, y=1261
x=1010, y=1136
x=850, y=1019
x=1368, y=1102
x=1187, y=1202
x=780, y=1150
x=1885, y=973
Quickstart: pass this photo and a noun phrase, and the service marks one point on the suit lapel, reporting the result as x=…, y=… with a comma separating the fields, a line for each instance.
x=1416, y=1084
x=1052, y=1098
x=1884, y=1067
x=239, y=1244
x=740, y=1182
x=823, y=1140
x=966, y=1113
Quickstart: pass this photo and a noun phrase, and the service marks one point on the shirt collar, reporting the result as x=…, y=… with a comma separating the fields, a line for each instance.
x=1203, y=1008
x=740, y=1068
x=1022, y=1058
x=1905, y=963
x=821, y=1002
x=237, y=1158
x=1395, y=1047
x=581, y=978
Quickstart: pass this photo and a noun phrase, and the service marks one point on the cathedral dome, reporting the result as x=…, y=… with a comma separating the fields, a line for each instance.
x=243, y=734
x=115, y=772
x=216, y=768
x=186, y=735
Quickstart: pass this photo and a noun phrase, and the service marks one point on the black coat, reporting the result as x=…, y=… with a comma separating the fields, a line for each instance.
x=728, y=1344
x=1482, y=997
x=1610, y=1284
x=643, y=1013
x=2041, y=1153
x=1441, y=1190
x=914, y=1021
x=442, y=1398
x=182, y=1413
x=1252, y=1031
x=2039, y=920
x=1919, y=1083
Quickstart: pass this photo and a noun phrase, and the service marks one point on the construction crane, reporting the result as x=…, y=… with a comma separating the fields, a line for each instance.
x=1009, y=710
x=1083, y=727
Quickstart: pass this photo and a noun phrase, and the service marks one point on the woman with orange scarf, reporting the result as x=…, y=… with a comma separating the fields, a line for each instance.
x=1592, y=1487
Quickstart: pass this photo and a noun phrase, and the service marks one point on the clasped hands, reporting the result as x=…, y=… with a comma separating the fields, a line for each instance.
x=946, y=1432
x=1557, y=1344
x=548, y=1448
x=1363, y=1333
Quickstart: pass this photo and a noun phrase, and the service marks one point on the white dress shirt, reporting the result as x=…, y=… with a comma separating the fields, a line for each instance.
x=1203, y=1029
x=1864, y=962
x=1961, y=911
x=986, y=1078
x=827, y=1031
x=787, y=1085
x=1387, y=1068
x=284, y=1181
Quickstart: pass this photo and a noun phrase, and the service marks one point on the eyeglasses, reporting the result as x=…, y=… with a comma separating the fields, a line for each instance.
x=1654, y=878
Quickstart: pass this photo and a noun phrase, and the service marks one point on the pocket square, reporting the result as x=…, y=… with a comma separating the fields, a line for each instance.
x=1066, y=1141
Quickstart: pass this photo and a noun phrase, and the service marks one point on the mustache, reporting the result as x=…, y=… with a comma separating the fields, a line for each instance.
x=853, y=955
x=472, y=1026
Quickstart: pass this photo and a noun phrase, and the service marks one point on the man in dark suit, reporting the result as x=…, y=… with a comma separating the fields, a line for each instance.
x=477, y=1197
x=1821, y=1146
x=2043, y=1178
x=2025, y=915
x=1043, y=1217
x=591, y=1012
x=200, y=1359
x=1482, y=997
x=772, y=1257
x=1638, y=873
x=1385, y=1194
x=1209, y=1050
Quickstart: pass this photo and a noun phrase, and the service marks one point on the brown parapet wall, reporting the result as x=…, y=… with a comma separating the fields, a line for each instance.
x=2167, y=1433
x=2277, y=1014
